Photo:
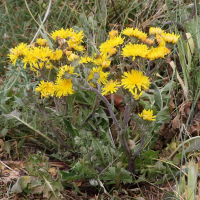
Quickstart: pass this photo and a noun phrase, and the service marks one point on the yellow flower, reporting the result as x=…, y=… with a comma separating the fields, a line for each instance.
x=65, y=69
x=72, y=57
x=136, y=96
x=158, y=52
x=109, y=45
x=171, y=38
x=18, y=52
x=63, y=34
x=134, y=32
x=135, y=50
x=147, y=115
x=46, y=88
x=78, y=47
x=63, y=87
x=49, y=65
x=110, y=87
x=134, y=79
x=113, y=33
x=77, y=37
x=36, y=55
x=86, y=59
x=102, y=75
x=147, y=41
x=102, y=61
x=155, y=31
x=160, y=40
x=57, y=55
x=41, y=42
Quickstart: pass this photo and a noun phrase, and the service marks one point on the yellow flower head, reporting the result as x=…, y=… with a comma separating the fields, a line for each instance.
x=113, y=33
x=134, y=79
x=136, y=96
x=160, y=40
x=36, y=55
x=77, y=37
x=110, y=87
x=155, y=31
x=109, y=45
x=135, y=50
x=102, y=75
x=62, y=34
x=102, y=61
x=57, y=55
x=158, y=52
x=18, y=52
x=41, y=42
x=86, y=59
x=63, y=87
x=46, y=88
x=49, y=65
x=72, y=57
x=171, y=38
x=134, y=32
x=147, y=41
x=65, y=69
x=78, y=47
x=148, y=115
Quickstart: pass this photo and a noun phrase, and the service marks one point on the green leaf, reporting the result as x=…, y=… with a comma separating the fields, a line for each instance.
x=98, y=146
x=69, y=128
x=15, y=115
x=44, y=34
x=194, y=144
x=4, y=132
x=163, y=115
x=157, y=96
x=114, y=174
x=7, y=146
x=22, y=183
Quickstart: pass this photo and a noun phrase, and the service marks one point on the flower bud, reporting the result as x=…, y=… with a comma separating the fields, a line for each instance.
x=93, y=158
x=28, y=90
x=131, y=144
x=90, y=149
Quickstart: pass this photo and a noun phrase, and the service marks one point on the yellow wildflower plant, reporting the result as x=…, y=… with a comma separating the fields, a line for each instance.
x=113, y=33
x=135, y=50
x=134, y=79
x=171, y=38
x=102, y=75
x=147, y=115
x=134, y=32
x=46, y=88
x=63, y=87
x=109, y=45
x=18, y=52
x=110, y=87
x=155, y=31
x=158, y=52
x=41, y=42
x=86, y=59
